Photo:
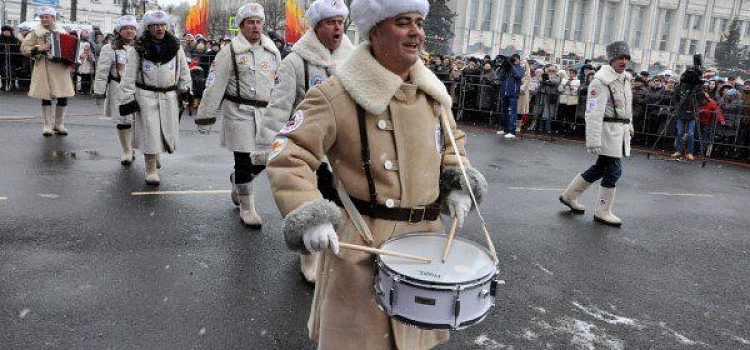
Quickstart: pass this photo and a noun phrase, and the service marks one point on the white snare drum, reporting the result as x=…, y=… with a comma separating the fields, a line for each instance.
x=451, y=295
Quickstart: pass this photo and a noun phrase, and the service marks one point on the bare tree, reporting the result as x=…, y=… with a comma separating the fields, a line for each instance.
x=275, y=14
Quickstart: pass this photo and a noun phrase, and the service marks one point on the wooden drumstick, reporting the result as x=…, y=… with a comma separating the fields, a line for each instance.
x=451, y=234
x=383, y=252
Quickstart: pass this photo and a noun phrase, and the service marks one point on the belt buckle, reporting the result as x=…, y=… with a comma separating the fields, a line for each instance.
x=414, y=210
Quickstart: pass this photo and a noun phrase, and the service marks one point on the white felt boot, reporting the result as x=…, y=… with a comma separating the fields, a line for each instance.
x=603, y=213
x=47, y=115
x=247, y=205
x=60, y=120
x=308, y=264
x=126, y=141
x=152, y=175
x=235, y=199
x=570, y=196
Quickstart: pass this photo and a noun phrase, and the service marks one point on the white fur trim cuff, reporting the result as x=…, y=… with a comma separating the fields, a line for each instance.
x=307, y=216
x=452, y=179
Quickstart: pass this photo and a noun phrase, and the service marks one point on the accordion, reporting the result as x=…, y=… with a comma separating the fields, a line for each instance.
x=63, y=48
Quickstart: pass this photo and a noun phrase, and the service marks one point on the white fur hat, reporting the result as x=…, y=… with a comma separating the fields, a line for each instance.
x=249, y=10
x=322, y=9
x=46, y=10
x=155, y=17
x=367, y=13
x=127, y=20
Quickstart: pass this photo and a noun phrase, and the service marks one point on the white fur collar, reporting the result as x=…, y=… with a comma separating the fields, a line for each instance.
x=313, y=51
x=373, y=86
x=607, y=75
x=40, y=31
x=242, y=45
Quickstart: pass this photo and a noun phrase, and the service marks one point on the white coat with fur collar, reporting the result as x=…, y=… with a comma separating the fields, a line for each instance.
x=613, y=138
x=293, y=81
x=243, y=129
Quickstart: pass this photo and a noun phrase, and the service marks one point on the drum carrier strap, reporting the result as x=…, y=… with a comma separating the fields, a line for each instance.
x=416, y=214
x=616, y=119
x=238, y=98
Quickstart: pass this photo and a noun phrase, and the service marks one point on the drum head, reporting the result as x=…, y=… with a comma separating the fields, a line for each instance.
x=466, y=262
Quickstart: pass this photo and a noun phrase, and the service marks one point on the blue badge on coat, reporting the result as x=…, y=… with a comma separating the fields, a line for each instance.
x=317, y=79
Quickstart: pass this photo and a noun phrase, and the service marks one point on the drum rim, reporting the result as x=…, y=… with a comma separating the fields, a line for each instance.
x=427, y=284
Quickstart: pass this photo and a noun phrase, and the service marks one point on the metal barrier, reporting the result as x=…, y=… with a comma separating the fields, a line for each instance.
x=15, y=68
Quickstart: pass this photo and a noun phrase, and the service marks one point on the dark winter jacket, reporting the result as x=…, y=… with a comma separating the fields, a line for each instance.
x=510, y=80
x=10, y=52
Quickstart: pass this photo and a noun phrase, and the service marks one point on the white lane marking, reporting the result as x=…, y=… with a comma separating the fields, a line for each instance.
x=608, y=317
x=104, y=118
x=681, y=194
x=3, y=198
x=10, y=118
x=170, y=193
x=47, y=195
x=534, y=189
x=545, y=270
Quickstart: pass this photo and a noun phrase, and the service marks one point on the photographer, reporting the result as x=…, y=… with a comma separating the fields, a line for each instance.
x=688, y=98
x=549, y=92
x=510, y=75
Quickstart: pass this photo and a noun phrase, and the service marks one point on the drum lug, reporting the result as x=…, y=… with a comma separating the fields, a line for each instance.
x=392, y=295
x=493, y=288
x=457, y=305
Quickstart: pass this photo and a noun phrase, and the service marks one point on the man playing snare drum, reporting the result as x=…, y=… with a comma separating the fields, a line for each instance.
x=409, y=174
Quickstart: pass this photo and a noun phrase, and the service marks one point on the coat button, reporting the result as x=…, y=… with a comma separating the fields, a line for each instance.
x=390, y=203
x=382, y=124
x=389, y=165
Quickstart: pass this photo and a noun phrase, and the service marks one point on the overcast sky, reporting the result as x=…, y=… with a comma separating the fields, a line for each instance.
x=174, y=2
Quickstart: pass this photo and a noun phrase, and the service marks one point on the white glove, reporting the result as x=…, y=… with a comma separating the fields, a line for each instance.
x=459, y=205
x=320, y=238
x=595, y=150
x=632, y=130
x=204, y=129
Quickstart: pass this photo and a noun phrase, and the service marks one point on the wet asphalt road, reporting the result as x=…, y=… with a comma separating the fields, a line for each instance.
x=86, y=264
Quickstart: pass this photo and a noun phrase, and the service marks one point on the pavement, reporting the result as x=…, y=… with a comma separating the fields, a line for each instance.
x=92, y=258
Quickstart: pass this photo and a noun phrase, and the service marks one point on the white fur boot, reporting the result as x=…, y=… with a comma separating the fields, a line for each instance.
x=308, y=264
x=60, y=120
x=235, y=199
x=247, y=205
x=47, y=115
x=604, y=214
x=570, y=196
x=152, y=175
x=158, y=161
x=126, y=141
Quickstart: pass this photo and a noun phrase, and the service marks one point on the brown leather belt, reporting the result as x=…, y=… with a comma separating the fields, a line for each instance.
x=430, y=212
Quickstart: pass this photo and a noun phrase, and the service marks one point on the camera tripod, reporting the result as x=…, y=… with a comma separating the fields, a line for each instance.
x=692, y=92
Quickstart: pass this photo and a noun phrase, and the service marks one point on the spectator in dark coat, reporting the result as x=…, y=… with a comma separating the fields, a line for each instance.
x=10, y=57
x=549, y=91
x=509, y=76
x=640, y=100
x=488, y=84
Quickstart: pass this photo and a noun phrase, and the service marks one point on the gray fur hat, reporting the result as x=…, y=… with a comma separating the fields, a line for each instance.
x=617, y=50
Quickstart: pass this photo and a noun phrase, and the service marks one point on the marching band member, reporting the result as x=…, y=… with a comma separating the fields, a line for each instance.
x=240, y=83
x=49, y=80
x=312, y=60
x=382, y=99
x=155, y=73
x=609, y=127
x=109, y=72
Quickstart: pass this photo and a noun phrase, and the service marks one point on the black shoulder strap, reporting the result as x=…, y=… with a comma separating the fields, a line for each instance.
x=612, y=98
x=307, y=75
x=236, y=70
x=366, y=158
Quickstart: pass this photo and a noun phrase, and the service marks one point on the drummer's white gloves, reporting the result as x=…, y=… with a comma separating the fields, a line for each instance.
x=595, y=150
x=204, y=129
x=459, y=205
x=320, y=238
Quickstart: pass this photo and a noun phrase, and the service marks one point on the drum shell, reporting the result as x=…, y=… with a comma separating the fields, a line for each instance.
x=433, y=306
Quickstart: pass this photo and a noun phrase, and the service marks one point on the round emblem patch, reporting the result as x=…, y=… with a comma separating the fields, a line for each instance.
x=317, y=79
x=265, y=67
x=277, y=146
x=294, y=122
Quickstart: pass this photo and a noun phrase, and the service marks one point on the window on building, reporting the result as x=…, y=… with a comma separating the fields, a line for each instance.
x=723, y=24
x=747, y=27
x=693, y=49
x=569, y=20
x=550, y=19
x=636, y=23
x=579, y=21
x=518, y=20
x=686, y=25
x=506, y=6
x=538, y=19
x=707, y=52
x=487, y=15
x=474, y=6
x=598, y=24
x=664, y=41
x=608, y=23
x=683, y=44
x=697, y=21
x=712, y=27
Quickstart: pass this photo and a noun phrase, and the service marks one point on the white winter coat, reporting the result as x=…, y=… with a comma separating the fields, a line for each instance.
x=112, y=63
x=613, y=138
x=157, y=124
x=569, y=92
x=291, y=88
x=242, y=127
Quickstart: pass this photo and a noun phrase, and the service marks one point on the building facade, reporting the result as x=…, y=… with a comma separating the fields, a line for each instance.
x=661, y=33
x=101, y=13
